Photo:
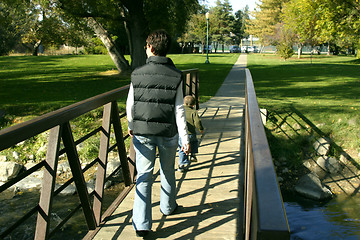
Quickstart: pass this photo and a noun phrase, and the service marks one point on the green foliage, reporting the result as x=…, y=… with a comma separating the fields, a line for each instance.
x=239, y=25
x=221, y=20
x=312, y=22
x=33, y=148
x=31, y=23
x=285, y=43
x=11, y=20
x=195, y=29
x=285, y=144
x=77, y=32
x=45, y=25
x=225, y=28
x=96, y=47
x=285, y=50
x=89, y=149
x=172, y=15
x=266, y=21
x=131, y=21
x=299, y=17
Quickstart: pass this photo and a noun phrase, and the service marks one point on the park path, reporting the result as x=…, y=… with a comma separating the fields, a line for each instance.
x=210, y=192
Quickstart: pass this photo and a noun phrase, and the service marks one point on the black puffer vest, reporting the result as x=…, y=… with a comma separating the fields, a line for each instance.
x=155, y=86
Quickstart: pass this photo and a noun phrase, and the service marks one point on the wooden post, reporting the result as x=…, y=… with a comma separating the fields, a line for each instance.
x=48, y=184
x=120, y=143
x=79, y=180
x=103, y=155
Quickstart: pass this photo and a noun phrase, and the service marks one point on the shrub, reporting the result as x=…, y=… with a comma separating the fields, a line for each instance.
x=285, y=50
x=96, y=47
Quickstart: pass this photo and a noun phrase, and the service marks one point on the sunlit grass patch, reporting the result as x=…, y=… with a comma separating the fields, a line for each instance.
x=326, y=91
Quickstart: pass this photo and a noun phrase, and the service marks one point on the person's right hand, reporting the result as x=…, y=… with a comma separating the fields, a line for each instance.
x=186, y=148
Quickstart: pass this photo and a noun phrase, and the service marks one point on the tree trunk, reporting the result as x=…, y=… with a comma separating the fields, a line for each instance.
x=36, y=48
x=300, y=50
x=119, y=60
x=328, y=50
x=358, y=50
x=137, y=30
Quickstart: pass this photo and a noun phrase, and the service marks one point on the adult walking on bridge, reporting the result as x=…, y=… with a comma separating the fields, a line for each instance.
x=156, y=119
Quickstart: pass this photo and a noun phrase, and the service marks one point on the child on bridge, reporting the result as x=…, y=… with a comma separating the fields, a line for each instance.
x=193, y=122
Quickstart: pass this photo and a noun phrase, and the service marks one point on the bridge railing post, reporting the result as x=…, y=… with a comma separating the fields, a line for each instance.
x=48, y=185
x=102, y=163
x=79, y=180
x=191, y=84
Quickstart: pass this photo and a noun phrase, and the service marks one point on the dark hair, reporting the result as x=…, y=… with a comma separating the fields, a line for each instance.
x=160, y=41
x=189, y=101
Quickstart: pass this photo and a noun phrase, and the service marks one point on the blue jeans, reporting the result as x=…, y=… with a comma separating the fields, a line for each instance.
x=194, y=145
x=145, y=150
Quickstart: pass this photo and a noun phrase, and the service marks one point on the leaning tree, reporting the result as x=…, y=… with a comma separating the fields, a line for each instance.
x=136, y=17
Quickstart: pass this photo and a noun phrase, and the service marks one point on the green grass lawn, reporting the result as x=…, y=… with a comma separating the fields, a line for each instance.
x=327, y=92
x=31, y=86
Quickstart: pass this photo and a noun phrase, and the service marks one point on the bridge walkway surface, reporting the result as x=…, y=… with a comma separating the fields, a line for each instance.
x=210, y=193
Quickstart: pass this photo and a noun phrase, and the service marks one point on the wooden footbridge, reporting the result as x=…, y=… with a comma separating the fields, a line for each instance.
x=231, y=192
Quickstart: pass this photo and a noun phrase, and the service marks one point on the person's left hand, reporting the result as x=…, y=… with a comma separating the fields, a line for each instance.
x=130, y=133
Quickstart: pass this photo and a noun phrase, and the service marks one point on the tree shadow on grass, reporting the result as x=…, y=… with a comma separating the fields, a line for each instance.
x=37, y=85
x=302, y=80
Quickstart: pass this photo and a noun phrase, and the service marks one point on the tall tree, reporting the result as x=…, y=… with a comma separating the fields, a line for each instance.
x=239, y=25
x=266, y=21
x=311, y=21
x=137, y=17
x=9, y=17
x=300, y=18
x=35, y=22
x=323, y=21
x=45, y=26
x=339, y=22
x=221, y=21
x=77, y=33
x=195, y=31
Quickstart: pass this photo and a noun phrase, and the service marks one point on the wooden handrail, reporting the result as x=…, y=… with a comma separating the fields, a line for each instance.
x=22, y=131
x=265, y=216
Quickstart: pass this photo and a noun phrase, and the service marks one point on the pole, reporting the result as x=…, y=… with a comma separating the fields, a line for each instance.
x=207, y=38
